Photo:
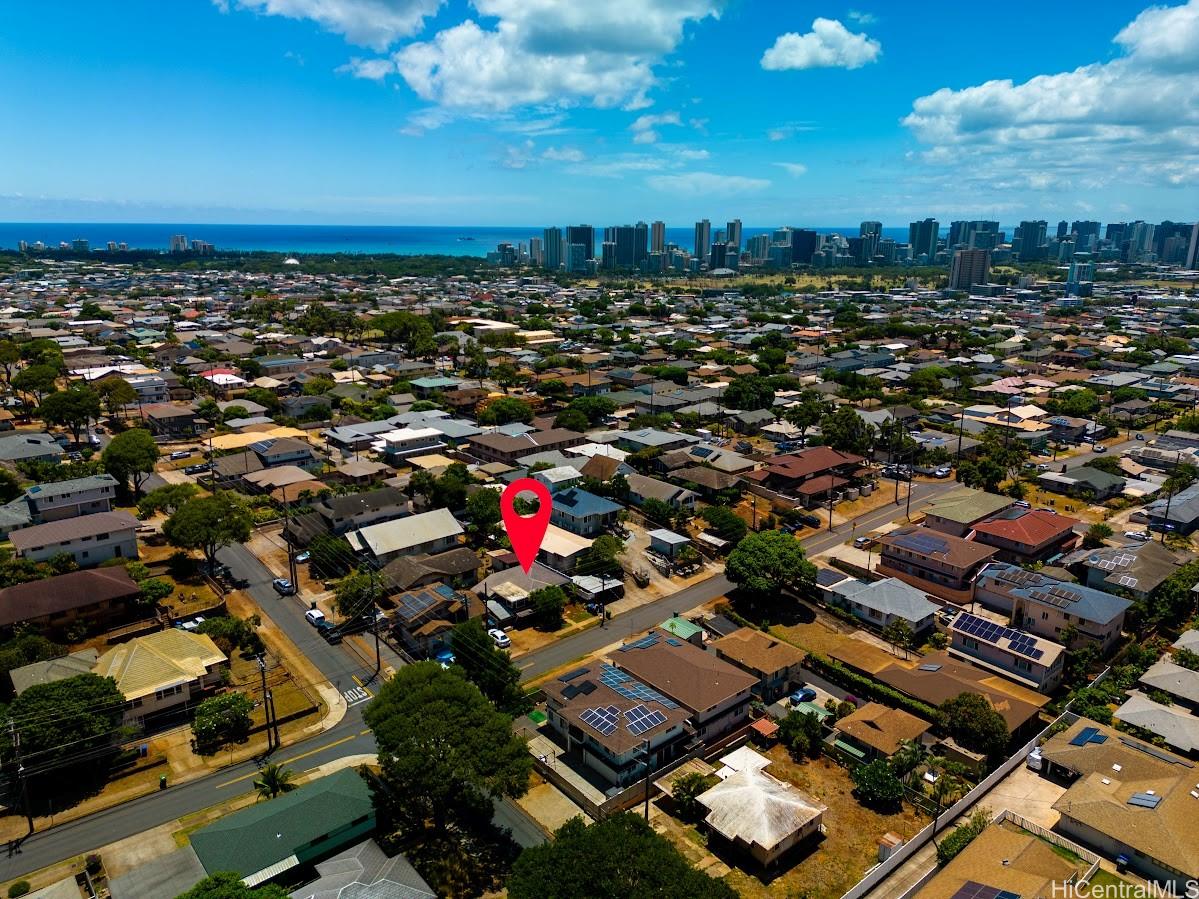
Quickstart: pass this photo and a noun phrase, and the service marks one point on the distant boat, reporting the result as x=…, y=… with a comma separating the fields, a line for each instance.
x=466, y=238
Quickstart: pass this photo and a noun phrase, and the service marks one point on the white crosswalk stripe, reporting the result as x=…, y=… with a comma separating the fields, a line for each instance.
x=355, y=695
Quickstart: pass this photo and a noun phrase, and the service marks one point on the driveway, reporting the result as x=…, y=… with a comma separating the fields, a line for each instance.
x=1026, y=793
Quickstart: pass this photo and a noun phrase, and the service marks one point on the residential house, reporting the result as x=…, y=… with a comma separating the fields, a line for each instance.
x=653, y=439
x=429, y=532
x=1176, y=728
x=278, y=451
x=810, y=474
x=884, y=602
x=876, y=731
x=338, y=514
x=1026, y=536
x=1127, y=799
x=611, y=719
x=502, y=448
x=52, y=670
x=363, y=871
x=642, y=487
x=958, y=511
x=934, y=562
x=774, y=663
x=457, y=567
x=1047, y=607
x=163, y=673
x=1182, y=515
x=583, y=513
x=1181, y=683
x=1083, y=483
x=93, y=599
x=757, y=813
x=89, y=540
x=708, y=482
x=27, y=446
x=311, y=823
x=71, y=498
x=717, y=693
x=424, y=617
x=170, y=421
x=1026, y=658
x=562, y=550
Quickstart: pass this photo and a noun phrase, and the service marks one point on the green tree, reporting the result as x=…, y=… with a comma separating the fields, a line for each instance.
x=130, y=457
x=231, y=633
x=596, y=408
x=274, y=780
x=1172, y=601
x=10, y=486
x=899, y=634
x=603, y=559
x=67, y=720
x=504, y=410
x=444, y=751
x=725, y=523
x=1096, y=535
x=74, y=409
x=506, y=375
x=548, y=605
x=572, y=420
x=354, y=595
x=806, y=412
x=115, y=393
x=972, y=721
x=619, y=857
x=329, y=556
x=488, y=667
x=769, y=562
x=165, y=499
x=658, y=512
x=10, y=355
x=221, y=720
x=748, y=393
x=208, y=524
x=483, y=513
x=35, y=381
x=983, y=473
x=685, y=792
x=846, y=431
x=802, y=734
x=25, y=649
x=876, y=784
x=227, y=885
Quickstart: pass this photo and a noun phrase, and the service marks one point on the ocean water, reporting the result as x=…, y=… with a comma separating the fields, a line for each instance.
x=366, y=239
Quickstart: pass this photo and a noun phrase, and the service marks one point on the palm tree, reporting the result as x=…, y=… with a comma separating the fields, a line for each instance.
x=274, y=779
x=907, y=758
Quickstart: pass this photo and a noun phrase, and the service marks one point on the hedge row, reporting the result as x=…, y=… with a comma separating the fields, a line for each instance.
x=861, y=685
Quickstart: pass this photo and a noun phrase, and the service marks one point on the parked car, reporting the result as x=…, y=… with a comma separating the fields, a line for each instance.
x=1137, y=535
x=1099, y=448
x=808, y=520
x=943, y=472
x=863, y=542
x=499, y=638
x=314, y=617
x=179, y=454
x=444, y=657
x=803, y=694
x=93, y=439
x=1023, y=504
x=304, y=556
x=331, y=634
x=1140, y=436
x=283, y=586
x=199, y=468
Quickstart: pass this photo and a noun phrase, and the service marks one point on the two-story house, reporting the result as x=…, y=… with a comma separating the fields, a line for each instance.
x=642, y=487
x=958, y=511
x=717, y=693
x=503, y=448
x=401, y=443
x=72, y=498
x=88, y=539
x=278, y=451
x=429, y=532
x=1025, y=536
x=934, y=562
x=1023, y=657
x=775, y=664
x=1047, y=607
x=583, y=513
x=163, y=673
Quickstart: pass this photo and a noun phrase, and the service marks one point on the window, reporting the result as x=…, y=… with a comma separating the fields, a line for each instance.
x=1022, y=665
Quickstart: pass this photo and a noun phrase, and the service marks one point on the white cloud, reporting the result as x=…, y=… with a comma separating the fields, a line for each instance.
x=862, y=18
x=645, y=122
x=708, y=184
x=564, y=154
x=517, y=156
x=684, y=153
x=793, y=168
x=645, y=137
x=544, y=52
x=369, y=23
x=1131, y=120
x=788, y=129
x=828, y=44
x=374, y=69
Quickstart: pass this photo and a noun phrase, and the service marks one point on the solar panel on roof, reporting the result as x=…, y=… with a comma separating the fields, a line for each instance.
x=973, y=890
x=629, y=688
x=571, y=675
x=930, y=667
x=602, y=720
x=1083, y=737
x=1144, y=800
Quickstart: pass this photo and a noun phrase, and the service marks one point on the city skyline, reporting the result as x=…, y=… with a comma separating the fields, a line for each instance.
x=424, y=112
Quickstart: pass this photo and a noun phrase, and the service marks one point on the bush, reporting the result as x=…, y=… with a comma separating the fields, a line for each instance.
x=962, y=837
x=20, y=888
x=93, y=863
x=871, y=689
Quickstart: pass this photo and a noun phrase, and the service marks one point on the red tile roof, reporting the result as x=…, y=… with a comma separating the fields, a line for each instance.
x=816, y=460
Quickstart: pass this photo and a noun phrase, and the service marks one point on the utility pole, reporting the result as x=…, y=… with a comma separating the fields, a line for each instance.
x=647, y=774
x=266, y=705
x=15, y=736
x=292, y=570
x=1170, y=495
x=274, y=718
x=375, y=625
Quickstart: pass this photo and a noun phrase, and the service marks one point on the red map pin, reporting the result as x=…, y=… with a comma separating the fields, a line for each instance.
x=526, y=532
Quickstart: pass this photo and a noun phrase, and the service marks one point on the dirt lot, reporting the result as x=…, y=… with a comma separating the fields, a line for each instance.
x=1043, y=499
x=823, y=870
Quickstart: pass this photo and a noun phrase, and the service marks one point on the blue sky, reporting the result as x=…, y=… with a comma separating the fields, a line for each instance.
x=531, y=112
